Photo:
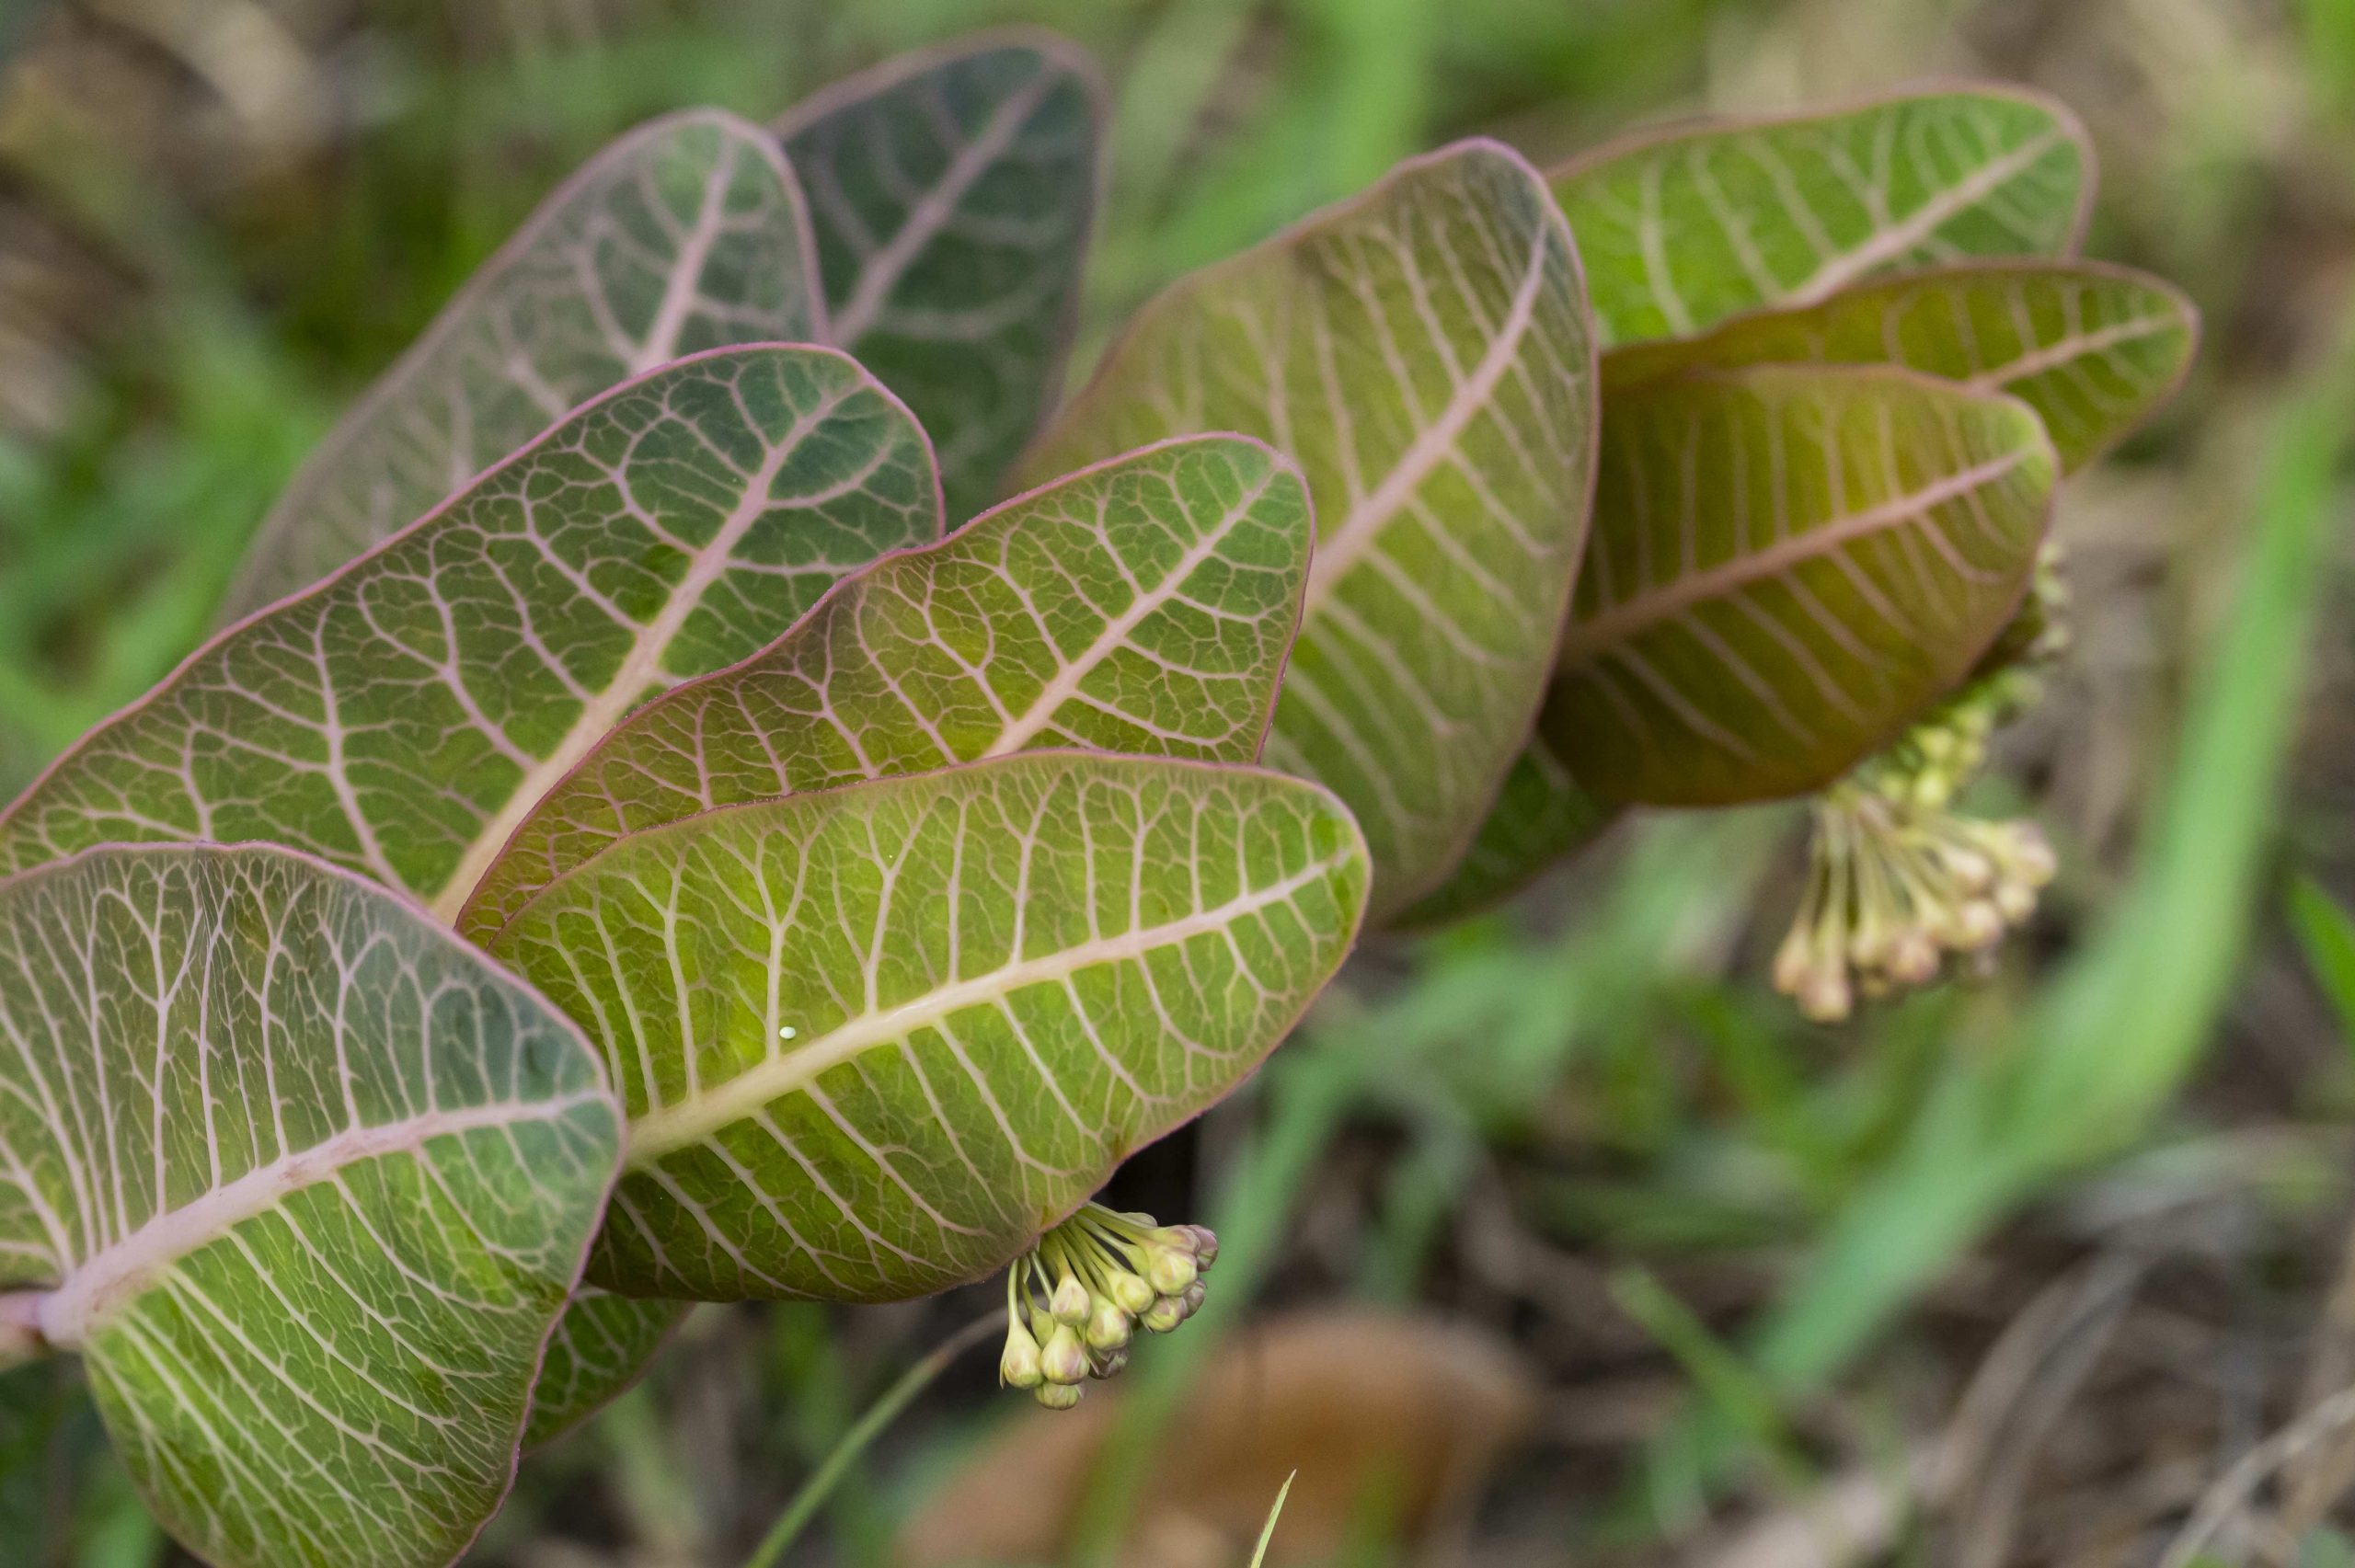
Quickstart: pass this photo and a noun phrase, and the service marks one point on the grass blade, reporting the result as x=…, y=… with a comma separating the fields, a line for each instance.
x=2327, y=934
x=1268, y=1532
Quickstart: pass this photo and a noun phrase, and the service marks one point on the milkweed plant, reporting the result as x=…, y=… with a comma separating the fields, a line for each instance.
x=723, y=783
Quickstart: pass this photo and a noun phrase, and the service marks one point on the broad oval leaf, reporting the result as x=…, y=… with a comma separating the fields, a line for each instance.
x=688, y=234
x=2093, y=349
x=400, y=718
x=1543, y=815
x=1789, y=564
x=303, y=1178
x=1144, y=606
x=1684, y=226
x=874, y=1041
x=953, y=192
x=600, y=1347
x=1423, y=351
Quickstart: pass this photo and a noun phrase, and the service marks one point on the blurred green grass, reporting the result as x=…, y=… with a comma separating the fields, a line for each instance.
x=1609, y=1040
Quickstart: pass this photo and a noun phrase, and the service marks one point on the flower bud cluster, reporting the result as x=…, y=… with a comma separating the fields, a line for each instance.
x=1896, y=888
x=1899, y=883
x=1075, y=1299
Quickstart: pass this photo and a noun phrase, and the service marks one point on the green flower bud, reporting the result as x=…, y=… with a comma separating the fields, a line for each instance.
x=2030, y=854
x=1170, y=1269
x=1130, y=1292
x=1913, y=959
x=1977, y=924
x=1018, y=1368
x=1107, y=1326
x=1164, y=1314
x=1973, y=869
x=1825, y=997
x=1065, y=1359
x=1058, y=1396
x=2015, y=902
x=1069, y=1304
x=1107, y=1364
x=1794, y=960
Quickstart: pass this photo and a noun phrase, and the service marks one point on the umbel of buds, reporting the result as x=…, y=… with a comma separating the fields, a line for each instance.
x=1073, y=1302
x=1899, y=883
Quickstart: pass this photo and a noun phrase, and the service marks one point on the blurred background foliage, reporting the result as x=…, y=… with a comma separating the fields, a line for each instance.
x=2051, y=1270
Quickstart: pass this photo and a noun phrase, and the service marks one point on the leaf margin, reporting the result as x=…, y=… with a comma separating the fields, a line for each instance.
x=220, y=638
x=1282, y=240
x=239, y=597
x=473, y=920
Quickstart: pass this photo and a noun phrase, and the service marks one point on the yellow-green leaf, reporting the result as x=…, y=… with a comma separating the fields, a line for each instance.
x=874, y=1041
x=400, y=718
x=688, y=234
x=600, y=1347
x=1541, y=815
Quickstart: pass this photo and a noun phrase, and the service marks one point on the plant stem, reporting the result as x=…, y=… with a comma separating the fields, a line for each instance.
x=844, y=1453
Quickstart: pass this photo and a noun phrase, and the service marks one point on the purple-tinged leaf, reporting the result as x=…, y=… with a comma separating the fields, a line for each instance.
x=303, y=1179
x=401, y=718
x=688, y=234
x=1791, y=562
x=953, y=192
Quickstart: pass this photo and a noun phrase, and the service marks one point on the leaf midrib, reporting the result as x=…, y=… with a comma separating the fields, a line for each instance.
x=101, y=1284
x=684, y=286
x=1339, y=551
x=1582, y=640
x=881, y=273
x=1889, y=243
x=2076, y=346
x=688, y=1122
x=1067, y=681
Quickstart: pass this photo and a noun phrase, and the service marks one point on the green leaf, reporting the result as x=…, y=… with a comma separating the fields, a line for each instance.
x=874, y=1041
x=1423, y=351
x=600, y=1347
x=1684, y=226
x=688, y=234
x=399, y=719
x=2093, y=350
x=306, y=1181
x=1542, y=815
x=953, y=192
x=1144, y=606
x=1789, y=564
